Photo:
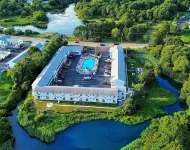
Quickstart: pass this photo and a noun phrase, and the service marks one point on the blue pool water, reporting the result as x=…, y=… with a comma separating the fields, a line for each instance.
x=88, y=63
x=92, y=135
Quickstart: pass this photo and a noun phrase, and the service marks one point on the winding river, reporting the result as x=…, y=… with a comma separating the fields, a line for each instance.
x=63, y=23
x=92, y=135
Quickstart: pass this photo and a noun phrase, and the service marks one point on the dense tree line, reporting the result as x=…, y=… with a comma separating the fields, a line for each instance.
x=173, y=57
x=136, y=10
x=23, y=74
x=100, y=30
x=26, y=70
x=169, y=132
x=59, y=4
x=22, y=8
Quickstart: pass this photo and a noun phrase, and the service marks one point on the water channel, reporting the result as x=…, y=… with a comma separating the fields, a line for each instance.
x=63, y=23
x=92, y=135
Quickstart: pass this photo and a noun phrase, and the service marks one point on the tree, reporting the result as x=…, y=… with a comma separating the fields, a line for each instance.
x=188, y=101
x=65, y=42
x=138, y=87
x=146, y=38
x=186, y=26
x=147, y=77
x=5, y=130
x=173, y=41
x=115, y=33
x=181, y=64
x=185, y=90
x=166, y=133
x=32, y=50
x=157, y=38
x=28, y=32
x=9, y=30
x=166, y=56
x=40, y=16
x=128, y=107
x=156, y=51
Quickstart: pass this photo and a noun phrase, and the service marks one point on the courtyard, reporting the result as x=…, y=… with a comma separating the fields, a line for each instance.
x=70, y=77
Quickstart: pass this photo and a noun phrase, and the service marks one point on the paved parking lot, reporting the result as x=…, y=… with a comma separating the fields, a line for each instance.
x=13, y=54
x=74, y=78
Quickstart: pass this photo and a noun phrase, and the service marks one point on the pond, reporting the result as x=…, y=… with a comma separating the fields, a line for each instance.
x=63, y=23
x=92, y=135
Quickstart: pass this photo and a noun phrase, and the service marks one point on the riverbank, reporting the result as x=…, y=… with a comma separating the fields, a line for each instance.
x=22, y=21
x=169, y=132
x=45, y=123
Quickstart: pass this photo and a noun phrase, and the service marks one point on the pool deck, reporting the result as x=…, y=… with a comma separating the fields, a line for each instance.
x=72, y=77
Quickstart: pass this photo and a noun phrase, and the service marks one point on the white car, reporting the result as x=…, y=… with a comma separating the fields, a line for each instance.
x=106, y=75
x=87, y=78
x=108, y=60
x=107, y=72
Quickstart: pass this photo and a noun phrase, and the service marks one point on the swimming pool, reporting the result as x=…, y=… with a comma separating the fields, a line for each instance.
x=88, y=63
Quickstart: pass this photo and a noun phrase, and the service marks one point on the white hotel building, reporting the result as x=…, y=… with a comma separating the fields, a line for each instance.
x=42, y=90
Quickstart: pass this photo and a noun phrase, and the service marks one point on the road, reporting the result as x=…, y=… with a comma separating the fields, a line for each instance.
x=93, y=44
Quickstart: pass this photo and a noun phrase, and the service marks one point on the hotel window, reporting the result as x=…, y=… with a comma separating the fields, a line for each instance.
x=114, y=101
x=103, y=100
x=38, y=97
x=97, y=100
x=47, y=97
x=87, y=99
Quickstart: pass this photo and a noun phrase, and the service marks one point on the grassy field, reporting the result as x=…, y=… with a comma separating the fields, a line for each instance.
x=185, y=37
x=44, y=123
x=19, y=21
x=156, y=97
x=5, y=86
x=66, y=107
x=136, y=60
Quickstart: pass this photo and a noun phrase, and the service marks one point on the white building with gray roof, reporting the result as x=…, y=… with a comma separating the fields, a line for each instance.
x=43, y=90
x=118, y=71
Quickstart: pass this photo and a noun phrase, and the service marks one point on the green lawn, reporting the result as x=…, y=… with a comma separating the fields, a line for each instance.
x=5, y=86
x=66, y=107
x=185, y=37
x=136, y=60
x=20, y=21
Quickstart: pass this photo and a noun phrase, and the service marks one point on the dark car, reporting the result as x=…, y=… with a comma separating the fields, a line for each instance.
x=116, y=43
x=101, y=44
x=76, y=41
x=47, y=40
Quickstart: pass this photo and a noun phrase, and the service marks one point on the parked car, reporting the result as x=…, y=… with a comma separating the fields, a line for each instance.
x=106, y=83
x=116, y=43
x=101, y=44
x=47, y=41
x=108, y=60
x=59, y=81
x=107, y=75
x=76, y=41
x=107, y=71
x=87, y=78
x=71, y=56
x=107, y=67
